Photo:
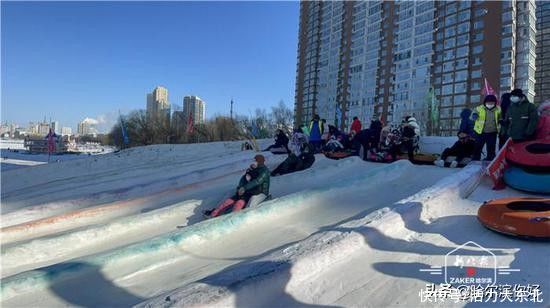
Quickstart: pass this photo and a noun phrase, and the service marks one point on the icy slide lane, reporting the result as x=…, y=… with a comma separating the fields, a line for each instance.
x=107, y=224
x=138, y=180
x=169, y=261
x=375, y=260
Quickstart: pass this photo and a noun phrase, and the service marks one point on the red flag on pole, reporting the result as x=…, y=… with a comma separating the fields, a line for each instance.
x=190, y=124
x=488, y=90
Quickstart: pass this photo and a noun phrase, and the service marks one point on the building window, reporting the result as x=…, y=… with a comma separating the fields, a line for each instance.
x=463, y=28
x=478, y=24
x=447, y=89
x=461, y=75
x=478, y=37
x=460, y=87
x=477, y=49
x=463, y=39
x=450, y=43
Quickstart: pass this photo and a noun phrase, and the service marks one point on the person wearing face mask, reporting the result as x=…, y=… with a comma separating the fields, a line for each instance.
x=253, y=188
x=521, y=118
x=486, y=127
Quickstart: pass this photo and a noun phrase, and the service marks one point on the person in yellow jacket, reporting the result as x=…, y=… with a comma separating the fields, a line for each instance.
x=486, y=127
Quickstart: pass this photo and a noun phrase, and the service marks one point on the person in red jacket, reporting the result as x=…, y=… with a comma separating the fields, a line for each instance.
x=355, y=125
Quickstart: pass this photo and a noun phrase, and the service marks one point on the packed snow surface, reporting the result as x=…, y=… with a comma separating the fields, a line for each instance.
x=126, y=229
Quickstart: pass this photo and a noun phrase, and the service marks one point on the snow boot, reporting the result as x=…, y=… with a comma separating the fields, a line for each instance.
x=439, y=163
x=454, y=164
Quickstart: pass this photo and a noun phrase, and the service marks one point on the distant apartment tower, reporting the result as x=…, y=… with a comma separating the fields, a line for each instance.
x=87, y=127
x=66, y=131
x=382, y=58
x=43, y=128
x=194, y=106
x=158, y=107
x=56, y=128
x=542, y=85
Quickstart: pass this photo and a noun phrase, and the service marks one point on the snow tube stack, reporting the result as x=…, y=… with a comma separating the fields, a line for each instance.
x=522, y=217
x=529, y=166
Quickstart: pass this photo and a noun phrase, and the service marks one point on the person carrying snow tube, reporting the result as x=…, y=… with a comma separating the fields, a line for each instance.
x=460, y=154
x=281, y=143
x=253, y=188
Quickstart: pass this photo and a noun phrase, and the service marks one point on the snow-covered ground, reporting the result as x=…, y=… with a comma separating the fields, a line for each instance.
x=14, y=154
x=103, y=231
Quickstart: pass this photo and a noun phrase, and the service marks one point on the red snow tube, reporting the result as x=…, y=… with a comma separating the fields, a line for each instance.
x=523, y=217
x=533, y=155
x=338, y=155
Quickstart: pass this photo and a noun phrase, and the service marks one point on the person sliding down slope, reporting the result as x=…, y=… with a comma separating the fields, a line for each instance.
x=252, y=190
x=281, y=143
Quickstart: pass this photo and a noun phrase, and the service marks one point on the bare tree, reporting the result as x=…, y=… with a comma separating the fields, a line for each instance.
x=282, y=116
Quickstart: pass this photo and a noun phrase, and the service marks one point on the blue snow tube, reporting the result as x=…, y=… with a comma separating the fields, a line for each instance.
x=532, y=182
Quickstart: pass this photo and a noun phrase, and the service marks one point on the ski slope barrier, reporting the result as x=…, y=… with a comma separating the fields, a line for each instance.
x=168, y=245
x=265, y=280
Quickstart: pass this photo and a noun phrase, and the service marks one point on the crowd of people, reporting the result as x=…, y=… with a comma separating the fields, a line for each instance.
x=514, y=118
x=490, y=124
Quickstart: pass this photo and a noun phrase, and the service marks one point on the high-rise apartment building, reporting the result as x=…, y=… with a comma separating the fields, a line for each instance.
x=194, y=106
x=55, y=127
x=66, y=131
x=385, y=58
x=542, y=85
x=87, y=127
x=158, y=107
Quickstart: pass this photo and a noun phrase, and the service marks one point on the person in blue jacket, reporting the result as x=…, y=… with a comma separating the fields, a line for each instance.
x=315, y=132
x=466, y=124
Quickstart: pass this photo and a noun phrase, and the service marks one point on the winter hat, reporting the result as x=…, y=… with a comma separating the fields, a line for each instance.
x=517, y=92
x=260, y=159
x=490, y=98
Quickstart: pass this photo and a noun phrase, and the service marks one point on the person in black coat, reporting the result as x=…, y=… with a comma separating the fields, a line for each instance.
x=463, y=148
x=281, y=141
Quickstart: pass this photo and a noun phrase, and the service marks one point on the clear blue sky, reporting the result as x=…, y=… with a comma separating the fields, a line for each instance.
x=71, y=60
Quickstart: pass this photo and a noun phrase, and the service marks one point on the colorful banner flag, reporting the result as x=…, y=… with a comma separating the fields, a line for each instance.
x=338, y=116
x=125, y=138
x=496, y=168
x=254, y=129
x=488, y=90
x=433, y=112
x=190, y=124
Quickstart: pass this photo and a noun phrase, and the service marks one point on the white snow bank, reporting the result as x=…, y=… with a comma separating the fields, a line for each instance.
x=150, y=250
x=435, y=145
